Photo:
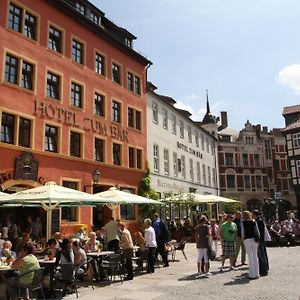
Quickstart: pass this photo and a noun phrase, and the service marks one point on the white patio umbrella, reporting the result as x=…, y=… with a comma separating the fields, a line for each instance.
x=208, y=199
x=50, y=196
x=115, y=197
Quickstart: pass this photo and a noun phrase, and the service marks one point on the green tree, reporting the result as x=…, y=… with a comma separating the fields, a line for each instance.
x=147, y=210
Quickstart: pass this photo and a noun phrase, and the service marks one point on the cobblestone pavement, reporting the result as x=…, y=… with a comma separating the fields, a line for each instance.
x=180, y=281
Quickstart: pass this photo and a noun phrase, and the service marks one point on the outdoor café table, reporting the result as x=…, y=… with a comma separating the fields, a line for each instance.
x=98, y=254
x=49, y=268
x=47, y=261
x=97, y=267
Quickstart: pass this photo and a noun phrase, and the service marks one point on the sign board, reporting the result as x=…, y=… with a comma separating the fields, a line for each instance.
x=55, y=220
x=277, y=196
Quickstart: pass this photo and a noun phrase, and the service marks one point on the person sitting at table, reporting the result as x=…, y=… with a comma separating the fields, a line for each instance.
x=25, y=239
x=25, y=263
x=80, y=257
x=92, y=245
x=50, y=250
x=6, y=251
x=58, y=239
x=101, y=236
x=65, y=254
x=80, y=234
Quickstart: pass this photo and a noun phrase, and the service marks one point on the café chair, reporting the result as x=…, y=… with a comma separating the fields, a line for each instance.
x=113, y=265
x=36, y=287
x=87, y=275
x=65, y=279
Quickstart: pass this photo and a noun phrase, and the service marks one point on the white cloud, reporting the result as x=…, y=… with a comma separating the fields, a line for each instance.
x=183, y=106
x=197, y=106
x=290, y=76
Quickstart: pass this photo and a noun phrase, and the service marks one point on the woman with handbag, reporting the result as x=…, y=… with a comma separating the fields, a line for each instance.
x=249, y=234
x=202, y=245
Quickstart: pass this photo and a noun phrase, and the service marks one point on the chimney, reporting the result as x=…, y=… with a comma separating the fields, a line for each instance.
x=265, y=129
x=224, y=119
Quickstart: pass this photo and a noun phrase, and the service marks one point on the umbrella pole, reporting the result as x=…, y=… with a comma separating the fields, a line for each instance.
x=49, y=221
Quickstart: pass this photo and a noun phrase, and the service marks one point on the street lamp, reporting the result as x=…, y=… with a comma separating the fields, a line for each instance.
x=96, y=178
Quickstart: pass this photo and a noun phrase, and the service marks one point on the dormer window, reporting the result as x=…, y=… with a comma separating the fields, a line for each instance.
x=128, y=42
x=80, y=8
x=95, y=18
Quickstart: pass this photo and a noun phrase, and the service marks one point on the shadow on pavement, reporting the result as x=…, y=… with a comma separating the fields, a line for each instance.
x=194, y=276
x=241, y=279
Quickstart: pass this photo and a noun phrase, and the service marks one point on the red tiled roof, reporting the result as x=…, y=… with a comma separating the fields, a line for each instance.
x=292, y=126
x=291, y=109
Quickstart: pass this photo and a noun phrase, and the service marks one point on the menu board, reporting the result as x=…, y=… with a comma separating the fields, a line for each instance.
x=55, y=220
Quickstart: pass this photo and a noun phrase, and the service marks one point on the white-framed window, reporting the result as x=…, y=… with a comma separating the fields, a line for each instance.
x=208, y=176
x=230, y=181
x=229, y=159
x=296, y=139
x=258, y=180
x=165, y=118
x=189, y=129
x=212, y=145
x=298, y=167
x=207, y=144
x=166, y=162
x=214, y=177
x=155, y=112
x=247, y=180
x=198, y=171
x=174, y=123
x=181, y=128
x=175, y=164
x=202, y=141
x=183, y=168
x=156, y=158
x=191, y=170
x=256, y=159
x=203, y=174
x=197, y=138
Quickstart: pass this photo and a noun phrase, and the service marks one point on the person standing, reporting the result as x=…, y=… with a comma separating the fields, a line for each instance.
x=262, y=250
x=162, y=237
x=248, y=230
x=214, y=231
x=112, y=235
x=227, y=233
x=126, y=244
x=37, y=229
x=239, y=243
x=202, y=243
x=150, y=242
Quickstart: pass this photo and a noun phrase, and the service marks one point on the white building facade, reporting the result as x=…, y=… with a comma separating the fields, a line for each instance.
x=181, y=155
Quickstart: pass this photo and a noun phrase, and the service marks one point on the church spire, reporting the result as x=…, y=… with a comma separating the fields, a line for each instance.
x=207, y=103
x=208, y=118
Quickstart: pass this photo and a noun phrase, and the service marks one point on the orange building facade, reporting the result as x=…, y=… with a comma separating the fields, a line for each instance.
x=72, y=100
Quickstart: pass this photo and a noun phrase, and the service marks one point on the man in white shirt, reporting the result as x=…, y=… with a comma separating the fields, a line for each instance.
x=150, y=241
x=112, y=235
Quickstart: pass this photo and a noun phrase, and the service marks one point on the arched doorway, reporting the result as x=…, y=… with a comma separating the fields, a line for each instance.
x=253, y=204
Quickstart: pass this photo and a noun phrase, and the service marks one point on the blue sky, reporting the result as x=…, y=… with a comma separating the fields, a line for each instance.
x=245, y=52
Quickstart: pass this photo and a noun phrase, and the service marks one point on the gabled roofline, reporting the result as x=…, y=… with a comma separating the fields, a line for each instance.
x=67, y=9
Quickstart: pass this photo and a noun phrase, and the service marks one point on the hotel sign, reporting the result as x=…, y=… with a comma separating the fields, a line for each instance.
x=189, y=149
x=71, y=118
